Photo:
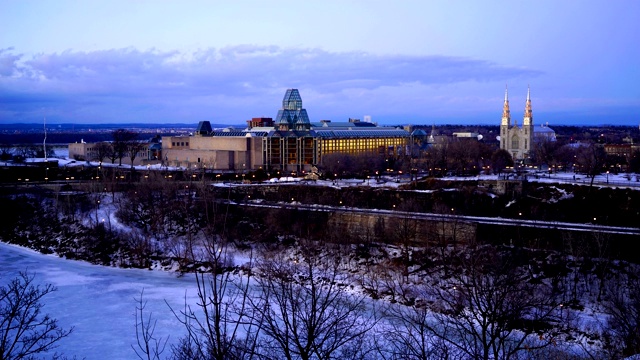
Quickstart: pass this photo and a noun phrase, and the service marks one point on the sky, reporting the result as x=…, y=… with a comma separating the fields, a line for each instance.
x=400, y=62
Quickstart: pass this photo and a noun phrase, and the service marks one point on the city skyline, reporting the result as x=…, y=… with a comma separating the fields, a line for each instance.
x=408, y=62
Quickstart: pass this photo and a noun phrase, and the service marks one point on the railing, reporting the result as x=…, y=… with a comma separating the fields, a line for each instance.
x=599, y=180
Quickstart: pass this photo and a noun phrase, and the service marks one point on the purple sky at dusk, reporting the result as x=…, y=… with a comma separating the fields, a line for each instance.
x=420, y=62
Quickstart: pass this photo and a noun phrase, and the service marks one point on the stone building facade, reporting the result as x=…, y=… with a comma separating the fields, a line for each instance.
x=517, y=140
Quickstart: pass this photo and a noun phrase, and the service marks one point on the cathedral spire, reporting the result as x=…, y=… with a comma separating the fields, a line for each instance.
x=506, y=114
x=528, y=113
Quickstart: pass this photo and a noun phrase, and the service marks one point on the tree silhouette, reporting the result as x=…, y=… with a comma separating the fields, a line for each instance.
x=24, y=330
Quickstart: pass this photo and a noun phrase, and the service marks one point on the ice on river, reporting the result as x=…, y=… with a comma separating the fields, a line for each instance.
x=99, y=301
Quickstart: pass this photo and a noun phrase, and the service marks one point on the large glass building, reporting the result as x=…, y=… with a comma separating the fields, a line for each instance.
x=291, y=143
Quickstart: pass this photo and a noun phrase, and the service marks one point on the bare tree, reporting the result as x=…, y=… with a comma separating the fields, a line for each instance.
x=306, y=314
x=565, y=156
x=112, y=155
x=543, y=152
x=147, y=345
x=102, y=151
x=440, y=154
x=500, y=160
x=219, y=327
x=6, y=151
x=224, y=330
x=24, y=330
x=634, y=162
x=122, y=141
x=405, y=233
x=591, y=160
x=622, y=305
x=345, y=164
x=25, y=151
x=490, y=308
x=408, y=335
x=134, y=148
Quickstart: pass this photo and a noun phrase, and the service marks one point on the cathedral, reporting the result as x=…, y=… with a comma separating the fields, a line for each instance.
x=517, y=140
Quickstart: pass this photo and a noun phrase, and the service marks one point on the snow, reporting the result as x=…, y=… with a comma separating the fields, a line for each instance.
x=628, y=180
x=99, y=301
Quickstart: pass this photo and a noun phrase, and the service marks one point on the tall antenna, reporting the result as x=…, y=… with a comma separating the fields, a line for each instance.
x=44, y=142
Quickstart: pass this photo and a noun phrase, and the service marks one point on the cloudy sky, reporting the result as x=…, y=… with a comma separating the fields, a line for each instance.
x=404, y=61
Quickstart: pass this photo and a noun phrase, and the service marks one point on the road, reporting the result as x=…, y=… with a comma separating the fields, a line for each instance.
x=589, y=227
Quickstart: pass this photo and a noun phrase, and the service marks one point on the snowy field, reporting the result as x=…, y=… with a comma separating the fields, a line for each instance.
x=99, y=301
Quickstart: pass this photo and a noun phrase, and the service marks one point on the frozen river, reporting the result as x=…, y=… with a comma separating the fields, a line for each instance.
x=99, y=301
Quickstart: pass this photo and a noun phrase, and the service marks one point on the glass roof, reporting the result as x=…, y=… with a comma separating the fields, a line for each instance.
x=292, y=100
x=292, y=113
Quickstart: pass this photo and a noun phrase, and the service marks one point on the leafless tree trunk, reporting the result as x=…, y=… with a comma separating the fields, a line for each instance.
x=134, y=148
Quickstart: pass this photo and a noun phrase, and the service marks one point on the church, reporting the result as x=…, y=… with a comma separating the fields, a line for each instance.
x=520, y=140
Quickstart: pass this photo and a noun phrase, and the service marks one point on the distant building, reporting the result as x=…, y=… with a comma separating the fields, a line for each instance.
x=466, y=135
x=624, y=151
x=519, y=140
x=291, y=142
x=147, y=153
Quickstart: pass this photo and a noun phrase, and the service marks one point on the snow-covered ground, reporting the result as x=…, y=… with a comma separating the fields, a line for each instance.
x=630, y=180
x=99, y=301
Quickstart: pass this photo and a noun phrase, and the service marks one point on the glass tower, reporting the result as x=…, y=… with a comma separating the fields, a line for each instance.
x=292, y=116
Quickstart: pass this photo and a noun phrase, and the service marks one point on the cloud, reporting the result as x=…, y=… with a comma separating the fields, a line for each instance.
x=233, y=81
x=8, y=62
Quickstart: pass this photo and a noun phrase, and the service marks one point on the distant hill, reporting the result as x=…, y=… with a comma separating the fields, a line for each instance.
x=78, y=127
x=32, y=133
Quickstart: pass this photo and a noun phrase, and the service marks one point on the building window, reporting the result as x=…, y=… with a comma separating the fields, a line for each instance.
x=514, y=142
